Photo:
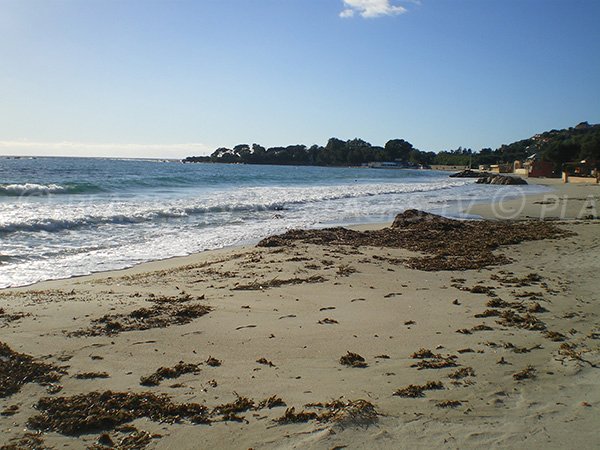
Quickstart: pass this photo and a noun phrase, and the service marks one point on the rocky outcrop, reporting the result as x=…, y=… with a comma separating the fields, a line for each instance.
x=468, y=173
x=500, y=179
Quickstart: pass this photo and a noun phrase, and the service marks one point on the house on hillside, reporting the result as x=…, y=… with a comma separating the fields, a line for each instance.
x=534, y=167
x=581, y=172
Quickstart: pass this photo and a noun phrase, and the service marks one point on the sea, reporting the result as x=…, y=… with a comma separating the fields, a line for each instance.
x=63, y=217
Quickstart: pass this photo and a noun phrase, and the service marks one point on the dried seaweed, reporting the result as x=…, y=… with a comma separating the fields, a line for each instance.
x=241, y=404
x=527, y=373
x=11, y=317
x=448, y=404
x=91, y=375
x=527, y=321
x=555, y=336
x=291, y=416
x=435, y=364
x=353, y=360
x=18, y=369
x=271, y=402
x=527, y=280
x=275, y=282
x=414, y=391
x=161, y=315
x=339, y=412
x=327, y=321
x=176, y=371
x=100, y=411
x=425, y=353
x=33, y=441
x=213, y=362
x=450, y=244
x=9, y=411
x=462, y=373
x=265, y=362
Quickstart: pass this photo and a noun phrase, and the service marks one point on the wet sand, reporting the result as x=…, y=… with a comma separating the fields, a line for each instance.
x=505, y=355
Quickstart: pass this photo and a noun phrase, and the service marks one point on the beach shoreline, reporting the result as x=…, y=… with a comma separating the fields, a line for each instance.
x=278, y=320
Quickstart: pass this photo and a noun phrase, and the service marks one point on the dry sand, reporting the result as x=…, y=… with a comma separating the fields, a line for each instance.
x=361, y=300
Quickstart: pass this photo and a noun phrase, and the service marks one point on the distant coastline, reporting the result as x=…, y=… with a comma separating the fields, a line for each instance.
x=581, y=142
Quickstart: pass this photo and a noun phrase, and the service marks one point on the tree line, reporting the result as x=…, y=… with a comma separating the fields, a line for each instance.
x=557, y=146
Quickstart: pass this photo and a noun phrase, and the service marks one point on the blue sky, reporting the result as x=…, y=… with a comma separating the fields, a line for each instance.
x=173, y=78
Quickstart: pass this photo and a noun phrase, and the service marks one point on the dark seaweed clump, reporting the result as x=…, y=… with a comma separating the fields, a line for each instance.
x=17, y=369
x=169, y=372
x=450, y=244
x=161, y=315
x=353, y=360
x=99, y=411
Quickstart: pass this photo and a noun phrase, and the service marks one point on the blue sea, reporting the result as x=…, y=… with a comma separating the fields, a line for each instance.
x=61, y=217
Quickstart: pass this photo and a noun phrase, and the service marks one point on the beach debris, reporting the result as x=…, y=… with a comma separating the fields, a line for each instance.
x=555, y=336
x=382, y=357
x=26, y=441
x=462, y=373
x=271, y=402
x=245, y=326
x=414, y=391
x=327, y=321
x=229, y=410
x=291, y=416
x=465, y=350
x=9, y=411
x=527, y=280
x=450, y=244
x=410, y=322
x=162, y=315
x=265, y=362
x=502, y=361
x=345, y=270
x=326, y=308
x=429, y=360
x=424, y=353
x=488, y=313
x=527, y=373
x=571, y=350
x=275, y=282
x=176, y=371
x=91, y=375
x=213, y=362
x=18, y=369
x=479, y=289
x=339, y=412
x=353, y=360
x=101, y=411
x=448, y=404
x=527, y=321
x=11, y=317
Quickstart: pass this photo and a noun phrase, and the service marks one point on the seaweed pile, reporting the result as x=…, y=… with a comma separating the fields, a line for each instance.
x=17, y=369
x=450, y=244
x=108, y=410
x=161, y=315
x=339, y=412
x=99, y=411
x=179, y=369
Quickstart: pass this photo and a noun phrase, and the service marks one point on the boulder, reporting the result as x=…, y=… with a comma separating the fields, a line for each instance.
x=468, y=173
x=501, y=179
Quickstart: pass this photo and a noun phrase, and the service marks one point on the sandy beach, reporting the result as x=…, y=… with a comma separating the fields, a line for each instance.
x=375, y=342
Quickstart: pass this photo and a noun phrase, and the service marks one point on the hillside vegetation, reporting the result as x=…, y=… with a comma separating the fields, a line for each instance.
x=558, y=146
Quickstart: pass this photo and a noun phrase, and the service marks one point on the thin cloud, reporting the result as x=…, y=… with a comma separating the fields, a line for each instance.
x=67, y=148
x=371, y=8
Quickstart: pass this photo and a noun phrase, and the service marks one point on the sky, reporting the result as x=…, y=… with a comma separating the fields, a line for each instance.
x=174, y=78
